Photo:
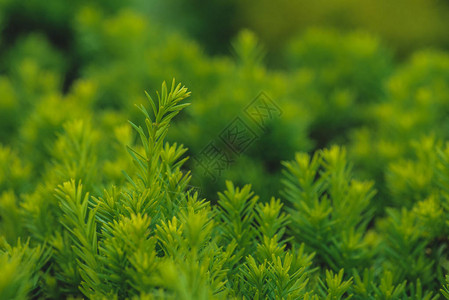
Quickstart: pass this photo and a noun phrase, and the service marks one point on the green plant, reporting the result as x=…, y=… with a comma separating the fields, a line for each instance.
x=94, y=207
x=152, y=235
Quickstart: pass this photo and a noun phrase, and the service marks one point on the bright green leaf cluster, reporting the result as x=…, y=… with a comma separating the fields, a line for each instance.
x=152, y=236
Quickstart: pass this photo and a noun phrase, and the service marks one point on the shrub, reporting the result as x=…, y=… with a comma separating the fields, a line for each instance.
x=344, y=150
x=151, y=235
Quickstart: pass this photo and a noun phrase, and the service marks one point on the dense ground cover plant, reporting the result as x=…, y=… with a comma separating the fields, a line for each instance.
x=81, y=232
x=94, y=207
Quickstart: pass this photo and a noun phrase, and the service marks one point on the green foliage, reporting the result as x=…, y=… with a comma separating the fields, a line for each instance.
x=110, y=209
x=329, y=210
x=152, y=236
x=21, y=266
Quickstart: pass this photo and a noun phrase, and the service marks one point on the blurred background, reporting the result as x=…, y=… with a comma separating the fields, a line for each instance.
x=371, y=76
